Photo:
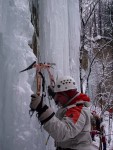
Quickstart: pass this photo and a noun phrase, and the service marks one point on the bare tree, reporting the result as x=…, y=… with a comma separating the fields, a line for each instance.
x=95, y=20
x=85, y=14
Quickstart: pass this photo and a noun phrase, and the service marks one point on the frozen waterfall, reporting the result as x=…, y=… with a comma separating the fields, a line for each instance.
x=59, y=43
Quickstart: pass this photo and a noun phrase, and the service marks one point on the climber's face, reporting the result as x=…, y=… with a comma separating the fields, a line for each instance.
x=60, y=99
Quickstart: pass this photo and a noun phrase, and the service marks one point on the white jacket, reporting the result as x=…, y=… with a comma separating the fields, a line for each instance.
x=70, y=128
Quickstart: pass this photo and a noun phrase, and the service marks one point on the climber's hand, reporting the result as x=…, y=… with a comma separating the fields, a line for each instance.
x=44, y=112
x=36, y=103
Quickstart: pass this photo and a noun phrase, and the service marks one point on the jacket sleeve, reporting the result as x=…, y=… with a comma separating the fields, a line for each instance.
x=68, y=127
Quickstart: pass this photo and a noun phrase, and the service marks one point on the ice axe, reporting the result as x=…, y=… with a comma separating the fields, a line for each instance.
x=40, y=78
x=30, y=67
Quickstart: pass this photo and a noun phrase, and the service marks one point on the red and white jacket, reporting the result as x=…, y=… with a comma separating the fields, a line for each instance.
x=71, y=126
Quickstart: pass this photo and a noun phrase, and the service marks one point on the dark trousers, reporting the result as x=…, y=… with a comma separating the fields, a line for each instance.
x=104, y=146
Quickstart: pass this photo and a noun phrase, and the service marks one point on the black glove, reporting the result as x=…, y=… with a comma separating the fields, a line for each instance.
x=44, y=112
x=51, y=92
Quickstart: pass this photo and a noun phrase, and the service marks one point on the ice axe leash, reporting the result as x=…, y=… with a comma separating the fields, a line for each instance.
x=40, y=80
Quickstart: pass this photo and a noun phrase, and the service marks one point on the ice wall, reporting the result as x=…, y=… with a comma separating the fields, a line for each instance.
x=59, y=43
x=16, y=130
x=60, y=35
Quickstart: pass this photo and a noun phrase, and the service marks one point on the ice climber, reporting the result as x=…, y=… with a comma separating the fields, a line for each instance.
x=70, y=126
